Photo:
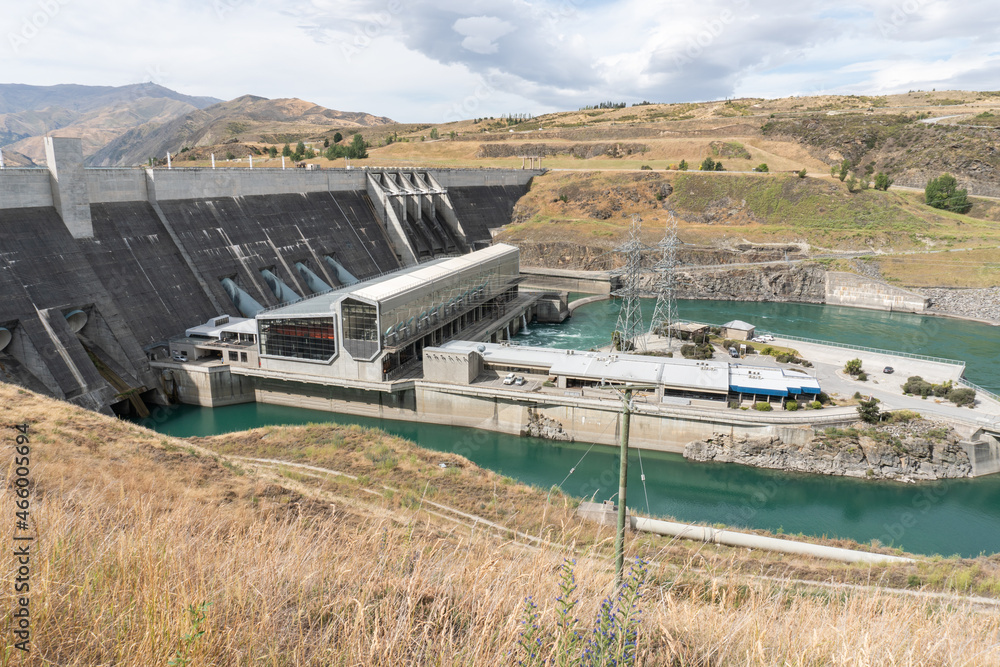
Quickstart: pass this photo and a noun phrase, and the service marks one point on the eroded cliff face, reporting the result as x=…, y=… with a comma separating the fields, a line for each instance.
x=906, y=452
x=801, y=283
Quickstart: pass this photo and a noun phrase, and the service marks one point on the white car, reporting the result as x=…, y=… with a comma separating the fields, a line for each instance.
x=767, y=338
x=519, y=381
x=509, y=379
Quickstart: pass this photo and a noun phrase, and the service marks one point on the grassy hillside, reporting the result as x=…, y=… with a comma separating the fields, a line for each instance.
x=584, y=214
x=144, y=542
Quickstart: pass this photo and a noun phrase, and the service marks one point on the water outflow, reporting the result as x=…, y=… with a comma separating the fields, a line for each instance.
x=524, y=323
x=343, y=276
x=246, y=304
x=76, y=319
x=283, y=292
x=313, y=282
x=5, y=337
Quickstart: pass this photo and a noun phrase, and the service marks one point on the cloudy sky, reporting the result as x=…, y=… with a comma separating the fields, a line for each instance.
x=434, y=60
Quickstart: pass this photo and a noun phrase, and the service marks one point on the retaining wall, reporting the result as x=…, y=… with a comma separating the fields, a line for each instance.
x=848, y=289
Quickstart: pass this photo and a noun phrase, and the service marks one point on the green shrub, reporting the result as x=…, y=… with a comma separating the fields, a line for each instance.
x=762, y=406
x=802, y=174
x=963, y=396
x=792, y=405
x=853, y=367
x=704, y=351
x=943, y=192
x=816, y=405
x=863, y=376
x=823, y=397
x=869, y=411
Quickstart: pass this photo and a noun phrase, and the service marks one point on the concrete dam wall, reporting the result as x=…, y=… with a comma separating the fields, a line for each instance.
x=99, y=267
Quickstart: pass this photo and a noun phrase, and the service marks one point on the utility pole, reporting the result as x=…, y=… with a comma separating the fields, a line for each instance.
x=622, y=488
x=626, y=395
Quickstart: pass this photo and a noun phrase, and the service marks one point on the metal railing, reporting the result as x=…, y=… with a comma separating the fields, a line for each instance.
x=874, y=350
x=860, y=348
x=979, y=390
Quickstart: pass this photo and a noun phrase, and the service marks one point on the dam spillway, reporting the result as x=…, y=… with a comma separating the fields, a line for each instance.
x=142, y=254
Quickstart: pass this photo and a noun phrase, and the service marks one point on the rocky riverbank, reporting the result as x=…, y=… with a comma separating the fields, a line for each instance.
x=919, y=450
x=982, y=304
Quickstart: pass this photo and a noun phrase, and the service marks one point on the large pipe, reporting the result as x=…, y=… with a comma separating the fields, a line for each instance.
x=76, y=319
x=5, y=337
x=283, y=292
x=734, y=539
x=315, y=284
x=340, y=273
x=246, y=304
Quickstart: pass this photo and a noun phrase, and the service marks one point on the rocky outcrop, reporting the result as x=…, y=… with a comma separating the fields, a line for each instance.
x=983, y=304
x=758, y=283
x=581, y=151
x=540, y=426
x=914, y=453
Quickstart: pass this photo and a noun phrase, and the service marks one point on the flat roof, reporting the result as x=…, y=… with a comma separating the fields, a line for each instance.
x=398, y=282
x=707, y=376
x=771, y=381
x=710, y=376
x=235, y=325
x=739, y=325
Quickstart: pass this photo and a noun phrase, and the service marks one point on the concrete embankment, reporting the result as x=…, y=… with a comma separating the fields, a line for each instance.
x=773, y=281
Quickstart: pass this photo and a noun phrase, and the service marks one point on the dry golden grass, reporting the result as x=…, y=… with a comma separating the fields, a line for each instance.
x=957, y=268
x=300, y=567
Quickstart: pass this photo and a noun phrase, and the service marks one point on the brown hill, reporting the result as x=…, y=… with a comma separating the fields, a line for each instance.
x=96, y=114
x=247, y=119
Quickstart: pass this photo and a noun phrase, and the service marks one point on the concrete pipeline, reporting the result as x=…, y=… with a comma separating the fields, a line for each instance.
x=734, y=539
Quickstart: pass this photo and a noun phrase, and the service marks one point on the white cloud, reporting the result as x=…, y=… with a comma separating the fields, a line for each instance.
x=481, y=33
x=426, y=59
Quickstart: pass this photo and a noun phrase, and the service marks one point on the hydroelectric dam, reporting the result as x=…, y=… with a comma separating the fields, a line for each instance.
x=99, y=268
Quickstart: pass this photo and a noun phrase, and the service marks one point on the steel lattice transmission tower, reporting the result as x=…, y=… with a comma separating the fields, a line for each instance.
x=665, y=314
x=629, y=332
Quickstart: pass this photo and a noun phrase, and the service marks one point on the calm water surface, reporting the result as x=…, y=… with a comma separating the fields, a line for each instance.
x=958, y=517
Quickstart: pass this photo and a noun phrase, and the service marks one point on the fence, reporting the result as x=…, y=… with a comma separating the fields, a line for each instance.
x=979, y=390
x=860, y=348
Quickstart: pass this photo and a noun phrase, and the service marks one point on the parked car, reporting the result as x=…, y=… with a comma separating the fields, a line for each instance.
x=767, y=338
x=888, y=370
x=734, y=353
x=180, y=356
x=509, y=379
x=519, y=381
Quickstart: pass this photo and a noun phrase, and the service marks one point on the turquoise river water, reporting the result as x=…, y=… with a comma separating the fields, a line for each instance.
x=951, y=517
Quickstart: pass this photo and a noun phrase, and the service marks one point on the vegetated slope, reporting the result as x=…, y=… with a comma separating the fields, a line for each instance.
x=244, y=119
x=145, y=541
x=911, y=151
x=573, y=219
x=96, y=114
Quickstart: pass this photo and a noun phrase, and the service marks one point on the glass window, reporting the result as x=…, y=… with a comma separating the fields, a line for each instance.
x=361, y=335
x=233, y=356
x=312, y=338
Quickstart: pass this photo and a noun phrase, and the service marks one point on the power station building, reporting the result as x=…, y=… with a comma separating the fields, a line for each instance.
x=375, y=331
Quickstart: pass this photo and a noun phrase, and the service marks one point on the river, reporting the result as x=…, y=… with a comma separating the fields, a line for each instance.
x=949, y=517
